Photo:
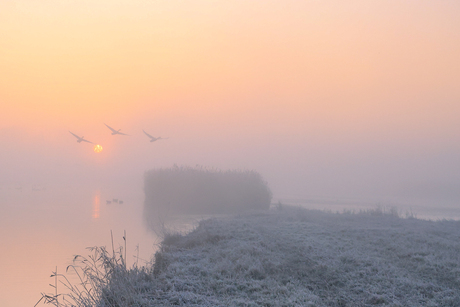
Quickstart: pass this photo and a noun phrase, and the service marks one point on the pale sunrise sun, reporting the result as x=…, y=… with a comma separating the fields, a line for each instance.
x=97, y=148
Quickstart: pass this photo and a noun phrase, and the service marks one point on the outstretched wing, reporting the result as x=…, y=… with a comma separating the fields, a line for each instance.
x=148, y=135
x=118, y=132
x=80, y=138
x=86, y=141
x=113, y=130
x=75, y=135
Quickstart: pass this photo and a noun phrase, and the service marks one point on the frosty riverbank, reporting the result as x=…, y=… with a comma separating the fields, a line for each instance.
x=298, y=257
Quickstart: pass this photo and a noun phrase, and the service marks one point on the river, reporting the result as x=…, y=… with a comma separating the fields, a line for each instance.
x=43, y=227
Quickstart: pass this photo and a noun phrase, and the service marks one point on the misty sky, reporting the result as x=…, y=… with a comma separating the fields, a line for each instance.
x=326, y=99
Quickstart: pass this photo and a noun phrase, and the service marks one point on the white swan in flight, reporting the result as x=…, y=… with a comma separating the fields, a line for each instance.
x=115, y=131
x=80, y=139
x=152, y=138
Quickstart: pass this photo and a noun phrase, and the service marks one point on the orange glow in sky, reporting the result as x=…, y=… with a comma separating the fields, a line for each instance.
x=231, y=81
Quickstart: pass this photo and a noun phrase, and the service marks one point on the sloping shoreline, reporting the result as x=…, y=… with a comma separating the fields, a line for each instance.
x=287, y=257
x=298, y=257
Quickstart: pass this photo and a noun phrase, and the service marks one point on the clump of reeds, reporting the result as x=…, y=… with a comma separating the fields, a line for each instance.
x=381, y=210
x=103, y=280
x=378, y=210
x=204, y=191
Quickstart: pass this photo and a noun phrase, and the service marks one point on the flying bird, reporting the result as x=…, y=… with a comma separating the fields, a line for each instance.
x=115, y=131
x=80, y=139
x=152, y=138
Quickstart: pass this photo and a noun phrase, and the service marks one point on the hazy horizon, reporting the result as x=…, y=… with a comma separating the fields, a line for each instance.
x=324, y=99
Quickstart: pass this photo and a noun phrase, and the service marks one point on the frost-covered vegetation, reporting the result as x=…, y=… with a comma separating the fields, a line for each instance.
x=296, y=257
x=203, y=191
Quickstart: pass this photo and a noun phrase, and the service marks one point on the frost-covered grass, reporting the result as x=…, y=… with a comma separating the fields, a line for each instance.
x=296, y=257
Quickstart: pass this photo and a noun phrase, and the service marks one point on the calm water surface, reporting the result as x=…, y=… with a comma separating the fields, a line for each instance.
x=421, y=209
x=44, y=227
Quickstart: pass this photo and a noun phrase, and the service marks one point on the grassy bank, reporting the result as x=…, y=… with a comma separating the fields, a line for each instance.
x=297, y=257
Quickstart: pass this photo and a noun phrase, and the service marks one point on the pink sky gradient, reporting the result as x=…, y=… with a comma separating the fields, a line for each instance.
x=324, y=98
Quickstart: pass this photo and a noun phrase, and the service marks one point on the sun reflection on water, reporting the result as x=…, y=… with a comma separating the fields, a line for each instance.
x=96, y=206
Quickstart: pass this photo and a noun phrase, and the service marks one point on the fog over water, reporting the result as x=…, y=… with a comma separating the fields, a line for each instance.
x=336, y=105
x=390, y=171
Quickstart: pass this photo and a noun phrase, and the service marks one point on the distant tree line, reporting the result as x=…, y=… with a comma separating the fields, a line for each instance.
x=201, y=190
